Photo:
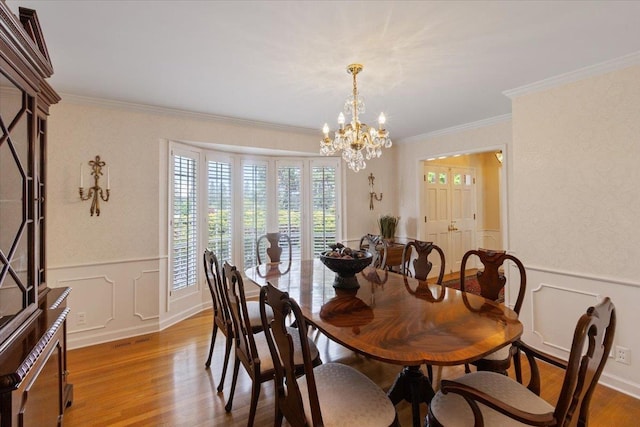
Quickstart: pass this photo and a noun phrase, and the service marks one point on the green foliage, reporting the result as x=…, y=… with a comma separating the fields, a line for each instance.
x=388, y=225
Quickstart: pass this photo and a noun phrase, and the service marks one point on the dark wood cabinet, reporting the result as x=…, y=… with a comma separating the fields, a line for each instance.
x=33, y=371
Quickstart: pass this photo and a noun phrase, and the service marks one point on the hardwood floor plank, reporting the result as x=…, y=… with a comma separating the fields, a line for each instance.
x=160, y=379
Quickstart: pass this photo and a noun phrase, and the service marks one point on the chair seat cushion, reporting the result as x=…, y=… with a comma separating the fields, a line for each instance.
x=503, y=354
x=452, y=410
x=266, y=362
x=253, y=309
x=348, y=398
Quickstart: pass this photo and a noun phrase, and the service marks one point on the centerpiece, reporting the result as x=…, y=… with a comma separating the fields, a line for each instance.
x=346, y=263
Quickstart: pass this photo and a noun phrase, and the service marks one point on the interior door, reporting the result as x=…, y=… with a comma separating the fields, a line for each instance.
x=437, y=209
x=462, y=228
x=449, y=212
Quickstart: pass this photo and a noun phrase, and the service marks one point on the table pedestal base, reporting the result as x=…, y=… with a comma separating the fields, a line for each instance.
x=411, y=385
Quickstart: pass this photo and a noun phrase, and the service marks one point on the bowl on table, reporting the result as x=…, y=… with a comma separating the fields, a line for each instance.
x=346, y=267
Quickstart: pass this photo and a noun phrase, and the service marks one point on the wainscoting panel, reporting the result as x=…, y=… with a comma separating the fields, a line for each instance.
x=118, y=299
x=146, y=295
x=556, y=299
x=99, y=288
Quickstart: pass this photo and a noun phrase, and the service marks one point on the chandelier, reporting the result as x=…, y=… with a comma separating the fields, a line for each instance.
x=355, y=137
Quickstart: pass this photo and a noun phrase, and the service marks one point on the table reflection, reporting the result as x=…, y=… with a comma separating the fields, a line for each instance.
x=346, y=310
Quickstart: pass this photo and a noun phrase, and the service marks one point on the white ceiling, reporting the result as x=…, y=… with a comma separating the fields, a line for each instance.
x=428, y=65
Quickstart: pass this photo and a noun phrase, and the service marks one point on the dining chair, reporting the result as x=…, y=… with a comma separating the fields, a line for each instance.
x=378, y=247
x=506, y=402
x=251, y=348
x=277, y=242
x=421, y=264
x=331, y=394
x=422, y=267
x=221, y=315
x=492, y=281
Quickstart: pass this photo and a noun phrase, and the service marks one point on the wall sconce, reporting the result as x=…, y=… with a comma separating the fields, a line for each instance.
x=95, y=193
x=372, y=194
x=499, y=156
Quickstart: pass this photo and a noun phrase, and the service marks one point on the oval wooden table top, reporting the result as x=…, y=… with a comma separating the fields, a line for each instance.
x=394, y=318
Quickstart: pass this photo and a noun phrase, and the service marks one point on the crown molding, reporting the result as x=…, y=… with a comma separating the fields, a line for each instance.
x=572, y=76
x=458, y=128
x=174, y=112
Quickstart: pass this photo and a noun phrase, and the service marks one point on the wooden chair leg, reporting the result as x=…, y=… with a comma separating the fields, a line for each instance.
x=466, y=368
x=227, y=352
x=430, y=373
x=236, y=367
x=213, y=341
x=277, y=420
x=255, y=394
x=517, y=366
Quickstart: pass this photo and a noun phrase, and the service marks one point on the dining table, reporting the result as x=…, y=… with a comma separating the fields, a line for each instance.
x=396, y=319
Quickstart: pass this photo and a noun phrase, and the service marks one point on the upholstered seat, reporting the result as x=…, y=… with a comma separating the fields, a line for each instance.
x=452, y=410
x=347, y=398
x=491, y=399
x=266, y=362
x=327, y=395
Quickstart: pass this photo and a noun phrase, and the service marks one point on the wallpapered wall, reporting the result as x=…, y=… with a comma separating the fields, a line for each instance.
x=576, y=194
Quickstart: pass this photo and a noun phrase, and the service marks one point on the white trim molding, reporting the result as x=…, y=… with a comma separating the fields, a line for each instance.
x=572, y=76
x=458, y=128
x=174, y=112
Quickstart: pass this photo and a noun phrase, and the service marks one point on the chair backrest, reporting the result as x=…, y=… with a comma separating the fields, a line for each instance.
x=421, y=264
x=592, y=341
x=280, y=341
x=243, y=330
x=491, y=279
x=378, y=248
x=212, y=274
x=275, y=248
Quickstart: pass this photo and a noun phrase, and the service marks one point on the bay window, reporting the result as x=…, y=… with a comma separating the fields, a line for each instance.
x=228, y=200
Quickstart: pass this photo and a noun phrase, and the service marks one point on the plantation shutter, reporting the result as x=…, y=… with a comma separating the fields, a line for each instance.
x=289, y=196
x=254, y=207
x=219, y=210
x=185, y=221
x=325, y=210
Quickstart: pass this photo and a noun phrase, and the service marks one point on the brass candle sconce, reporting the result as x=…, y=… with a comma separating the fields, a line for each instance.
x=95, y=193
x=372, y=194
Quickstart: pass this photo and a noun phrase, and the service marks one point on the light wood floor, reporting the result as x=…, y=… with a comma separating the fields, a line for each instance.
x=160, y=380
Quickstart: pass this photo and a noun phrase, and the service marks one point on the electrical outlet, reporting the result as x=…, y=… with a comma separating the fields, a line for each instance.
x=623, y=355
x=81, y=318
